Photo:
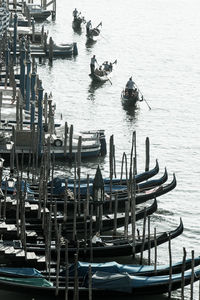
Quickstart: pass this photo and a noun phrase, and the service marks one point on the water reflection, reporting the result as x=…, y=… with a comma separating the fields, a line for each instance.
x=132, y=111
x=90, y=43
x=77, y=29
x=92, y=88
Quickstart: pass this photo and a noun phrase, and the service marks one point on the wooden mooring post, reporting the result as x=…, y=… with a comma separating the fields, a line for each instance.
x=182, y=277
x=170, y=268
x=147, y=148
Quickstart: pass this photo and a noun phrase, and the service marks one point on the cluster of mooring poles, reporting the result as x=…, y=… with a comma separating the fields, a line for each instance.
x=53, y=223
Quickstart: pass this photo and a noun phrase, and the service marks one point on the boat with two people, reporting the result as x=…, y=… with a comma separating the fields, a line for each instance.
x=103, y=72
x=78, y=20
x=92, y=33
x=131, y=94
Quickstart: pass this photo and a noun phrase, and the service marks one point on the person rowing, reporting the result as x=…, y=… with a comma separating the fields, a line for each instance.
x=130, y=85
x=88, y=27
x=75, y=13
x=92, y=64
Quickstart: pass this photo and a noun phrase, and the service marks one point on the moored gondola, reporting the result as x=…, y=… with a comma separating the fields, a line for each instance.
x=111, y=281
x=8, y=229
x=107, y=247
x=108, y=203
x=102, y=284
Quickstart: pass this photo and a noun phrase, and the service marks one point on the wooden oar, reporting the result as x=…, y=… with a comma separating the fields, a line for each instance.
x=143, y=97
x=100, y=24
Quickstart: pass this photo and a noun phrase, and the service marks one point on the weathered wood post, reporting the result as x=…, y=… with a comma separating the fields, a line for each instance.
x=1, y=98
x=182, y=274
x=67, y=270
x=40, y=114
x=7, y=54
x=91, y=232
x=54, y=10
x=22, y=67
x=135, y=152
x=143, y=236
x=45, y=42
x=50, y=50
x=90, y=282
x=170, y=268
x=65, y=139
x=155, y=251
x=98, y=197
x=149, y=240
x=115, y=215
x=86, y=210
x=33, y=82
x=28, y=83
x=111, y=169
x=33, y=29
x=44, y=4
x=76, y=291
x=147, y=154
x=192, y=278
x=75, y=204
x=70, y=142
x=15, y=39
x=79, y=172
x=58, y=259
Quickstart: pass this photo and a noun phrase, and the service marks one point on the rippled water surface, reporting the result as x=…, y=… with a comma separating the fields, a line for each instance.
x=157, y=43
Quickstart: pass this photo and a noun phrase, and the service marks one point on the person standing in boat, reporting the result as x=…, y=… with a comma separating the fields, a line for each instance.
x=88, y=27
x=130, y=85
x=92, y=64
x=75, y=13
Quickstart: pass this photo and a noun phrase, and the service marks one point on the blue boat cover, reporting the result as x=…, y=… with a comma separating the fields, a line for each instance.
x=14, y=189
x=126, y=282
x=38, y=282
x=27, y=272
x=114, y=267
x=59, y=187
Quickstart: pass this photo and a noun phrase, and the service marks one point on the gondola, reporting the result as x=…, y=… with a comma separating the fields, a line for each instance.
x=130, y=99
x=82, y=268
x=62, y=180
x=108, y=247
x=37, y=12
x=97, y=78
x=83, y=225
x=102, y=75
x=57, y=187
x=63, y=50
x=77, y=22
x=122, y=181
x=93, y=33
x=108, y=202
x=107, y=283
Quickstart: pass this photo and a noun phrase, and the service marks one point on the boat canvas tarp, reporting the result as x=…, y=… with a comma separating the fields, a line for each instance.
x=36, y=281
x=59, y=187
x=112, y=282
x=20, y=272
x=114, y=267
x=127, y=283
